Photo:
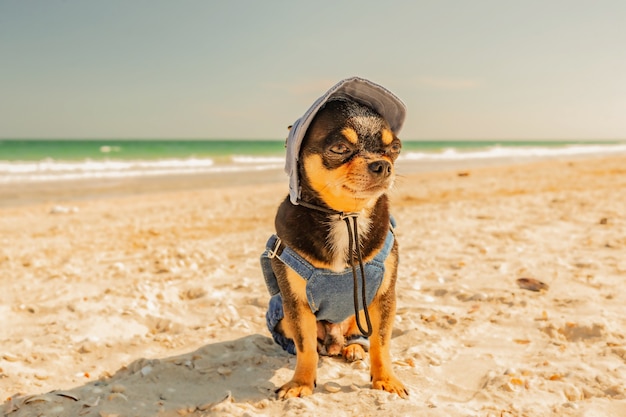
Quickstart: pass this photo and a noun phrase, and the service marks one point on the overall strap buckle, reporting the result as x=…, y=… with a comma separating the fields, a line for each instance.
x=272, y=253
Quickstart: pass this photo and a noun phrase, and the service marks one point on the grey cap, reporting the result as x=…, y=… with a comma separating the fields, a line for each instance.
x=390, y=107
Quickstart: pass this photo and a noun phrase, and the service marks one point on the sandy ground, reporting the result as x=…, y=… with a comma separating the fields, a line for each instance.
x=153, y=304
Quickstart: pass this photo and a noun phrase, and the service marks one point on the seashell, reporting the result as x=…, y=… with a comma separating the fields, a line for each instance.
x=474, y=308
x=63, y=210
x=205, y=406
x=87, y=347
x=532, y=284
x=135, y=366
x=117, y=395
x=10, y=357
x=382, y=400
x=264, y=403
x=91, y=402
x=118, y=388
x=244, y=324
x=119, y=266
x=30, y=309
x=67, y=394
x=211, y=405
x=440, y=292
x=479, y=296
x=192, y=294
x=162, y=325
x=332, y=387
x=463, y=296
x=233, y=311
x=222, y=370
x=405, y=362
x=572, y=393
x=146, y=370
x=509, y=387
x=47, y=398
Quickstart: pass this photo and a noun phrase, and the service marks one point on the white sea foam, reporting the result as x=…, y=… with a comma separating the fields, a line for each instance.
x=503, y=152
x=50, y=170
x=50, y=166
x=246, y=159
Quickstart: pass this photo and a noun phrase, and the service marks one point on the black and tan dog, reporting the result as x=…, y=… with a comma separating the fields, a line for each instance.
x=333, y=228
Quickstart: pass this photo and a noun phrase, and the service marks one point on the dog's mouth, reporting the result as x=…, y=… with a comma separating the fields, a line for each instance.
x=367, y=188
x=369, y=180
x=349, y=186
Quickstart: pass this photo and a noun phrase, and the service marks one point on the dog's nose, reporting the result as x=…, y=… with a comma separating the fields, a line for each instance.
x=380, y=168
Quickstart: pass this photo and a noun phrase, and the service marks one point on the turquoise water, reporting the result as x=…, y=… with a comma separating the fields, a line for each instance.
x=220, y=150
x=75, y=150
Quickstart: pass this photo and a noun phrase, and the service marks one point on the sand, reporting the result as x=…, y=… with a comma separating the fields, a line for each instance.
x=153, y=304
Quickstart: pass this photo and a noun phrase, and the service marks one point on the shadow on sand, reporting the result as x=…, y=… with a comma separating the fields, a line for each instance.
x=194, y=383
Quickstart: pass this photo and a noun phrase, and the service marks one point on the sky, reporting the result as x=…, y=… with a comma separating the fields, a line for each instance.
x=247, y=69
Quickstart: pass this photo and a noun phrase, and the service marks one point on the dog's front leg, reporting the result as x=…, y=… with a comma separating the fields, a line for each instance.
x=300, y=325
x=382, y=312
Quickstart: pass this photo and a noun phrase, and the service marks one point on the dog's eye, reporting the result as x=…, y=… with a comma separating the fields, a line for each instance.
x=395, y=147
x=340, y=148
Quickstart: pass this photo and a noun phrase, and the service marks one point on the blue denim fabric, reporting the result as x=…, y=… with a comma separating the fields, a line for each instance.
x=329, y=294
x=273, y=316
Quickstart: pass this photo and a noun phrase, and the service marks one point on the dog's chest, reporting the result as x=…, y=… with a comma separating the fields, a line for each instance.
x=339, y=241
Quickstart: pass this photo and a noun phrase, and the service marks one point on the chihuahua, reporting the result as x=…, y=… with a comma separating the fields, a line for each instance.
x=331, y=267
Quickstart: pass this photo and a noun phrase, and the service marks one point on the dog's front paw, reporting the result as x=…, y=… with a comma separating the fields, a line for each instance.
x=294, y=389
x=391, y=384
x=353, y=352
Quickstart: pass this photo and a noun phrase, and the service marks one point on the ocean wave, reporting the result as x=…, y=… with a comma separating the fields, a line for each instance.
x=246, y=159
x=50, y=165
x=50, y=170
x=452, y=154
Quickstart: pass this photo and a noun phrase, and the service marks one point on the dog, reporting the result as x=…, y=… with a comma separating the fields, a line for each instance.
x=334, y=228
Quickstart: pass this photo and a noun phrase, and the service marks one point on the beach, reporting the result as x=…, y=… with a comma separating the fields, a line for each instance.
x=144, y=297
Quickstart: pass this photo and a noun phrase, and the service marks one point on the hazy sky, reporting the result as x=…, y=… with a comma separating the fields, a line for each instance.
x=247, y=69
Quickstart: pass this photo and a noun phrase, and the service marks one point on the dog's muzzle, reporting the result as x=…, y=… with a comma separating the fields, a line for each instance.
x=380, y=169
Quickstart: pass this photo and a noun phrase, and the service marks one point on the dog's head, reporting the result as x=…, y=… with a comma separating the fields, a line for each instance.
x=347, y=156
x=342, y=150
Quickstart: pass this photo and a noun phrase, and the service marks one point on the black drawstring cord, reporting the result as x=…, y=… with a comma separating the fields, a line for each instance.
x=368, y=332
x=354, y=247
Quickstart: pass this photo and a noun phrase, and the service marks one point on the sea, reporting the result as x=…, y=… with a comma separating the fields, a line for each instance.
x=28, y=161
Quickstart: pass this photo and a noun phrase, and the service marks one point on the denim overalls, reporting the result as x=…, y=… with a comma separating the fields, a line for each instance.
x=330, y=294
